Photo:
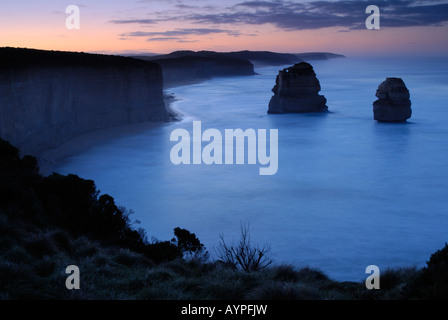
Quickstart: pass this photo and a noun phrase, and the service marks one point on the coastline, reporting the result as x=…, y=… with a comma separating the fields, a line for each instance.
x=49, y=159
x=100, y=237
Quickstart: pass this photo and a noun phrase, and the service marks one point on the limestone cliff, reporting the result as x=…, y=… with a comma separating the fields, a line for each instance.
x=48, y=97
x=296, y=91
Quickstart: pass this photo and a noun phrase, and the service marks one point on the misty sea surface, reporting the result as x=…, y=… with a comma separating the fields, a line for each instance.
x=349, y=191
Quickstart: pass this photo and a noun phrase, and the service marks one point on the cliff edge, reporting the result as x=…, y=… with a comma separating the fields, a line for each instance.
x=50, y=97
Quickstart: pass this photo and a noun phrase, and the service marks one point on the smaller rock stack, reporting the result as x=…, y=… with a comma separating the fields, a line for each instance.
x=296, y=91
x=393, y=104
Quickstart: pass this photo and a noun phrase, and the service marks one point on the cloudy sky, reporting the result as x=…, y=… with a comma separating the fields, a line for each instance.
x=161, y=26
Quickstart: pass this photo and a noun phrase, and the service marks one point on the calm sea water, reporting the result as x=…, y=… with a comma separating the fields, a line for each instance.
x=349, y=192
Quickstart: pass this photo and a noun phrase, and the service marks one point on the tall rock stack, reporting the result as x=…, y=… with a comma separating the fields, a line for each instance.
x=393, y=104
x=296, y=90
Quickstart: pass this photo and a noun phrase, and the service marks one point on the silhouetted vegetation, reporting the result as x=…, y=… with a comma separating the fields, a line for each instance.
x=432, y=281
x=71, y=203
x=189, y=245
x=49, y=223
x=245, y=255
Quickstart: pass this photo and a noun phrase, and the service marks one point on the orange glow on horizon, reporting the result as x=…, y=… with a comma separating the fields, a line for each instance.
x=100, y=35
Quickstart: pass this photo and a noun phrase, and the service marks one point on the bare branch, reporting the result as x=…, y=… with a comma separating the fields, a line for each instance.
x=244, y=255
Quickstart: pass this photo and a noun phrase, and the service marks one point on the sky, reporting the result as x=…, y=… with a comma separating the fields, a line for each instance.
x=410, y=27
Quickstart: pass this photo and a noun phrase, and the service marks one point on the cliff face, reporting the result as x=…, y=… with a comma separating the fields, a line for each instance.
x=296, y=91
x=47, y=98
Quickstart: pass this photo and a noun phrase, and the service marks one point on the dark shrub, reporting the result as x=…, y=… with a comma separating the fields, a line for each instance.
x=285, y=273
x=179, y=267
x=40, y=246
x=44, y=267
x=87, y=251
x=162, y=251
x=129, y=258
x=69, y=202
x=396, y=279
x=432, y=281
x=311, y=275
x=62, y=240
x=283, y=291
x=160, y=275
x=245, y=255
x=189, y=245
x=17, y=254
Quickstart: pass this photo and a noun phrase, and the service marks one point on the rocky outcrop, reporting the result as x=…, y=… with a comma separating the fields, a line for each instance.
x=296, y=90
x=48, y=97
x=393, y=104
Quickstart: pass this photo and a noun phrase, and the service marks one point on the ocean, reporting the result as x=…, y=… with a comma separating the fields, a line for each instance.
x=349, y=192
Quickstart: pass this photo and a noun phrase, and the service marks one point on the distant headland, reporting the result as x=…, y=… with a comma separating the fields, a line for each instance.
x=184, y=67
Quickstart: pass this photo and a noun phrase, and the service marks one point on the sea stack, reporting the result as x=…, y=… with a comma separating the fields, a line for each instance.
x=393, y=104
x=296, y=90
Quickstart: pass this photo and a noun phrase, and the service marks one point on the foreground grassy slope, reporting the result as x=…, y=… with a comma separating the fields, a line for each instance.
x=48, y=223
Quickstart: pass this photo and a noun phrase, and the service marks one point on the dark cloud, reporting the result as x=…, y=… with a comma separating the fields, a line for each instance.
x=350, y=14
x=181, y=32
x=178, y=35
x=139, y=21
x=258, y=4
x=165, y=39
x=288, y=15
